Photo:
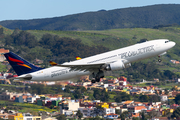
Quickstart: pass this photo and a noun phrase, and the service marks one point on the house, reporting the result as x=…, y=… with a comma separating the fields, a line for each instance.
x=19, y=99
x=2, y=51
x=123, y=110
x=111, y=87
x=164, y=98
x=28, y=116
x=127, y=102
x=18, y=116
x=136, y=109
x=32, y=99
x=104, y=105
x=135, y=114
x=49, y=118
x=37, y=61
x=4, y=96
x=109, y=111
x=111, y=116
x=71, y=105
x=122, y=80
x=4, y=116
x=89, y=112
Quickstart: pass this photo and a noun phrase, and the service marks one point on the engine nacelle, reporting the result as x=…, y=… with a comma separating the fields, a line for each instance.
x=118, y=65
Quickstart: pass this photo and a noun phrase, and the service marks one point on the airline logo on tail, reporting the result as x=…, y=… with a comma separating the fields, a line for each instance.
x=19, y=62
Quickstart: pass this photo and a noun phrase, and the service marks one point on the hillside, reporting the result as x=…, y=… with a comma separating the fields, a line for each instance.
x=63, y=46
x=136, y=17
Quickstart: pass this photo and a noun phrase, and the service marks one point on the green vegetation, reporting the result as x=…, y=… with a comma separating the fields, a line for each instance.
x=136, y=17
x=63, y=46
x=24, y=107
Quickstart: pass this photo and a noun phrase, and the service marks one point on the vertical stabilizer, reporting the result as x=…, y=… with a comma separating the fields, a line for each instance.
x=20, y=65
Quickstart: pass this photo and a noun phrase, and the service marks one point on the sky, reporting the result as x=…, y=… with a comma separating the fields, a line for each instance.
x=33, y=9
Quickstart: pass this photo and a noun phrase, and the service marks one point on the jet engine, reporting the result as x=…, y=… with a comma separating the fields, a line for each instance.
x=118, y=65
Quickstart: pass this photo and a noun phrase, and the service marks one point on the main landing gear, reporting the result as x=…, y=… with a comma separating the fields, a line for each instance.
x=97, y=76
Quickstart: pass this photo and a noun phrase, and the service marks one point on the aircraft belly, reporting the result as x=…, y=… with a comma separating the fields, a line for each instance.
x=81, y=73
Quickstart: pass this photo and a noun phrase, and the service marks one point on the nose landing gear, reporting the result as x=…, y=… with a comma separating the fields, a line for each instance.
x=159, y=60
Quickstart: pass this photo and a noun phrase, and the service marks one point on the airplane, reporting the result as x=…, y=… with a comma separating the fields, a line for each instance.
x=94, y=65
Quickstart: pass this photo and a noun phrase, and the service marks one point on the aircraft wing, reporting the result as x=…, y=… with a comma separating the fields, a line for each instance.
x=81, y=67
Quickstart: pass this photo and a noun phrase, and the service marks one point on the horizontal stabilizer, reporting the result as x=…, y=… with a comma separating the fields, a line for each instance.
x=26, y=77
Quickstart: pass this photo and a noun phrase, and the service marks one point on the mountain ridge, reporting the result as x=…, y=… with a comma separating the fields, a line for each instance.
x=132, y=17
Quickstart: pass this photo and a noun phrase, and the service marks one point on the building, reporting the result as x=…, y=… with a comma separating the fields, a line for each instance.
x=122, y=80
x=4, y=96
x=19, y=99
x=28, y=116
x=87, y=112
x=92, y=112
x=18, y=116
x=2, y=51
x=70, y=105
x=164, y=98
x=111, y=116
x=136, y=109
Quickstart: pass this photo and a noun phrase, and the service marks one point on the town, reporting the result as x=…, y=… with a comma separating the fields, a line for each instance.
x=111, y=98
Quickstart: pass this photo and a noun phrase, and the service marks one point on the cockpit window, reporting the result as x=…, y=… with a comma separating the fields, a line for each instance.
x=167, y=41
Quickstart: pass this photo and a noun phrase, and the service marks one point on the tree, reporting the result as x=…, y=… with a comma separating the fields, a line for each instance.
x=143, y=116
x=176, y=113
x=166, y=92
x=154, y=113
x=144, y=98
x=79, y=114
x=124, y=115
x=99, y=111
x=135, y=118
x=61, y=117
x=154, y=98
x=117, y=111
x=177, y=99
x=1, y=31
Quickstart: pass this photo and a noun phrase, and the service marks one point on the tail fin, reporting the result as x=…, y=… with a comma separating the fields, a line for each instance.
x=20, y=65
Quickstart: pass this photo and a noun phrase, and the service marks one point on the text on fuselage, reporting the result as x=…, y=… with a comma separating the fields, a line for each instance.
x=137, y=52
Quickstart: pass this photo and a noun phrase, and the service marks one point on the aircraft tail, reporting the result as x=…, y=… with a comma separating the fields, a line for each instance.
x=20, y=65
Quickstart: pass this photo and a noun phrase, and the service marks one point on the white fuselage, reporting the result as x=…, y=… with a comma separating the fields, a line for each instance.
x=127, y=55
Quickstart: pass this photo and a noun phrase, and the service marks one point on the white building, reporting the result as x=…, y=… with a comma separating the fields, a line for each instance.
x=164, y=97
x=91, y=112
x=68, y=107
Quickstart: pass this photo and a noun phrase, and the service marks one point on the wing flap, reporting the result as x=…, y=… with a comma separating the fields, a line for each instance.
x=82, y=67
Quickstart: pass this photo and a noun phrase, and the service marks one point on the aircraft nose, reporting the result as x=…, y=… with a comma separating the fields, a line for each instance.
x=172, y=44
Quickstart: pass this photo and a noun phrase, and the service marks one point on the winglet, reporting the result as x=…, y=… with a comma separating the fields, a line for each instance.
x=78, y=58
x=53, y=63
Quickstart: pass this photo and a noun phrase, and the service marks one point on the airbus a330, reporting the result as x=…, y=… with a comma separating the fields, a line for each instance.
x=94, y=65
